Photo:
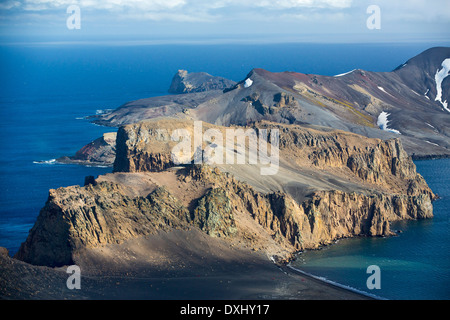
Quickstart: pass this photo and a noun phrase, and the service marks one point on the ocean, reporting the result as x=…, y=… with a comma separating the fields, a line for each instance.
x=48, y=90
x=415, y=265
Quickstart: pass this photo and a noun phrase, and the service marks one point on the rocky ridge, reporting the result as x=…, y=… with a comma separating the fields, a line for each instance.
x=353, y=102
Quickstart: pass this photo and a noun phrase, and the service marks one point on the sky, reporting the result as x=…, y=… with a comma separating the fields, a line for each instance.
x=222, y=21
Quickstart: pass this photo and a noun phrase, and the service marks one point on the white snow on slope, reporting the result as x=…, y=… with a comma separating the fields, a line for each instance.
x=383, y=123
x=439, y=77
x=248, y=83
x=343, y=74
x=426, y=94
x=382, y=89
x=432, y=143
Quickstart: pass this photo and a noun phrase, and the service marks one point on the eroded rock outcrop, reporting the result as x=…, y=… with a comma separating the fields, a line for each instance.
x=75, y=218
x=83, y=217
x=350, y=186
x=101, y=151
x=184, y=82
x=147, y=147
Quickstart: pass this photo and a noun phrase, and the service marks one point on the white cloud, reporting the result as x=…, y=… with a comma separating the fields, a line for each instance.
x=158, y=5
x=174, y=10
x=113, y=5
x=412, y=10
x=273, y=4
x=263, y=16
x=310, y=3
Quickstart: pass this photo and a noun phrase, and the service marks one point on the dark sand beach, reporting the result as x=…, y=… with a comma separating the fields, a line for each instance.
x=208, y=271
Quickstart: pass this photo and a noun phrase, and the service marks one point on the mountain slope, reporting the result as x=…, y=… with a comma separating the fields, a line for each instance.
x=375, y=104
x=419, y=73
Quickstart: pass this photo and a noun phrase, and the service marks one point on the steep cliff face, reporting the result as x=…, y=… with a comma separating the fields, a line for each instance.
x=147, y=146
x=131, y=156
x=75, y=218
x=343, y=156
x=351, y=186
x=326, y=215
x=382, y=172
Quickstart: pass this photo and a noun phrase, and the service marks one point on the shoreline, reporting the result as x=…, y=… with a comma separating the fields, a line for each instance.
x=430, y=157
x=334, y=284
x=254, y=278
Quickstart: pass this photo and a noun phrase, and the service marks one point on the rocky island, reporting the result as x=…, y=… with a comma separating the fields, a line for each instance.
x=340, y=173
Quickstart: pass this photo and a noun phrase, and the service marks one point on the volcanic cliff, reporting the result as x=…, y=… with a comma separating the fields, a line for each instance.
x=330, y=184
x=335, y=172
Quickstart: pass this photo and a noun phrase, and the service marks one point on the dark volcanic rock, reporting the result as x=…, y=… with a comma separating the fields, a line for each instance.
x=184, y=82
x=155, y=107
x=101, y=151
x=352, y=102
x=419, y=73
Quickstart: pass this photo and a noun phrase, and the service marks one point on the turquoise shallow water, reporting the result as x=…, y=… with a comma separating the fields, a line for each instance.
x=413, y=265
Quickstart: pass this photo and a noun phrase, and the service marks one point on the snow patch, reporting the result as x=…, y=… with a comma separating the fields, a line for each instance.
x=429, y=125
x=426, y=94
x=248, y=83
x=382, y=89
x=439, y=78
x=343, y=74
x=383, y=123
x=435, y=144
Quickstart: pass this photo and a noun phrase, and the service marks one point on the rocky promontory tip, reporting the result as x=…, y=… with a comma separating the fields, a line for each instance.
x=101, y=152
x=184, y=82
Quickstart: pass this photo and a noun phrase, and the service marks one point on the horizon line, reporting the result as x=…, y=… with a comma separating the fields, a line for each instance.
x=218, y=41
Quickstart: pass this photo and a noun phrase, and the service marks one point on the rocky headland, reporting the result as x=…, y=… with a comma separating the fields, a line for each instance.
x=337, y=175
x=330, y=185
x=100, y=152
x=185, y=82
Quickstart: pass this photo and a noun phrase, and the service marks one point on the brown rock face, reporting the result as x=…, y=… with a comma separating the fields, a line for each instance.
x=330, y=185
x=130, y=158
x=75, y=218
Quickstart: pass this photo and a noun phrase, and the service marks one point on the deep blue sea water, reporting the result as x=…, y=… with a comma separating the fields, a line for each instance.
x=47, y=90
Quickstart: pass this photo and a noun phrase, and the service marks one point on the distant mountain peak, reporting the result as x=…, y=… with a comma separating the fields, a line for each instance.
x=412, y=101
